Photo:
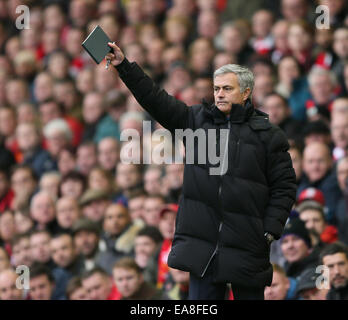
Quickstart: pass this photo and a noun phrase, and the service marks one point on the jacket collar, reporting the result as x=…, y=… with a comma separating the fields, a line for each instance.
x=238, y=114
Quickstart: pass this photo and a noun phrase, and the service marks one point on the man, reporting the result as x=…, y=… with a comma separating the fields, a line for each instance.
x=317, y=167
x=312, y=214
x=21, y=254
x=64, y=254
x=118, y=236
x=282, y=287
x=68, y=212
x=75, y=290
x=41, y=283
x=23, y=183
x=86, y=240
x=218, y=218
x=97, y=284
x=108, y=153
x=8, y=288
x=341, y=210
x=152, y=208
x=42, y=211
x=130, y=281
x=279, y=114
x=86, y=157
x=297, y=248
x=40, y=248
x=93, y=204
x=335, y=257
x=307, y=288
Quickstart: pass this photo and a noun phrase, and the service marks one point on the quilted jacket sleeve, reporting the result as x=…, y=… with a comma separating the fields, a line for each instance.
x=164, y=108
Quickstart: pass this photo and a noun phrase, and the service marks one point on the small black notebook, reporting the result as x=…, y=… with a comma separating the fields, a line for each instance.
x=96, y=44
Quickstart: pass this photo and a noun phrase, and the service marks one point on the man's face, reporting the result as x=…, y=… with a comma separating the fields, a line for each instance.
x=340, y=44
x=41, y=288
x=276, y=109
x=21, y=253
x=72, y=188
x=43, y=210
x=338, y=268
x=144, y=247
x=49, y=111
x=86, y=159
x=313, y=220
x=95, y=210
x=79, y=294
x=227, y=92
x=108, y=154
x=86, y=242
x=27, y=137
x=97, y=286
x=316, y=162
x=116, y=219
x=321, y=88
x=127, y=281
x=342, y=174
x=152, y=207
x=40, y=247
x=136, y=207
x=167, y=225
x=8, y=289
x=293, y=9
x=62, y=250
x=174, y=175
x=67, y=212
x=152, y=181
x=4, y=260
x=279, y=287
x=294, y=248
x=23, y=182
x=339, y=130
x=127, y=175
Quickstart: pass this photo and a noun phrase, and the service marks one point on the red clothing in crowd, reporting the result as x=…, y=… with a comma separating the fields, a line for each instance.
x=163, y=268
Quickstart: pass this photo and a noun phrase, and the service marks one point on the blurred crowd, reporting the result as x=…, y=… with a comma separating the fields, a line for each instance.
x=90, y=226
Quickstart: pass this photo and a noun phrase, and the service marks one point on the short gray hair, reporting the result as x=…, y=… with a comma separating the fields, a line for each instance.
x=320, y=71
x=58, y=125
x=244, y=75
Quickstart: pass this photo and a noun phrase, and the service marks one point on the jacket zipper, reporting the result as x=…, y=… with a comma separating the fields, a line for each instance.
x=219, y=197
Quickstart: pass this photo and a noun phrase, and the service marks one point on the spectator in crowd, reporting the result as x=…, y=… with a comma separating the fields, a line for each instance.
x=43, y=213
x=8, y=288
x=312, y=214
x=24, y=184
x=130, y=281
x=66, y=160
x=118, y=236
x=152, y=180
x=309, y=287
x=86, y=157
x=297, y=248
x=335, y=258
x=21, y=254
x=341, y=211
x=49, y=183
x=4, y=260
x=6, y=193
x=279, y=114
x=317, y=167
x=97, y=284
x=41, y=283
x=40, y=250
x=73, y=184
x=152, y=208
x=136, y=201
x=108, y=153
x=75, y=290
x=282, y=287
x=65, y=256
x=86, y=241
x=93, y=204
x=68, y=212
x=339, y=133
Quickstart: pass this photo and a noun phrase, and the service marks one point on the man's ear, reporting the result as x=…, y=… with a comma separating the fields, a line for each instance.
x=246, y=94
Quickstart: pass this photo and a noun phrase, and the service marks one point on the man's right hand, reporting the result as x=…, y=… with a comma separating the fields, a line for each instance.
x=116, y=56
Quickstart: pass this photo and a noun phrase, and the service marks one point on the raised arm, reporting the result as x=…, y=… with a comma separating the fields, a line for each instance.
x=164, y=108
